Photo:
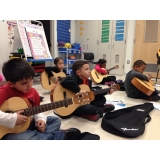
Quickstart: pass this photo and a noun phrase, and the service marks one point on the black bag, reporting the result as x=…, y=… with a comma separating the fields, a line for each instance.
x=86, y=136
x=128, y=122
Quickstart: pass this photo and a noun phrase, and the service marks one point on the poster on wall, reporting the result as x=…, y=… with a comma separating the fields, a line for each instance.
x=81, y=28
x=11, y=29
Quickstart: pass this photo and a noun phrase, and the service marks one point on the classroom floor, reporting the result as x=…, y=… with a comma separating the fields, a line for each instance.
x=152, y=130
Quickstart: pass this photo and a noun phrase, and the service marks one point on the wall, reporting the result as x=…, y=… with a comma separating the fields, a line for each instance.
x=129, y=46
x=5, y=49
x=146, y=50
x=4, y=45
x=73, y=30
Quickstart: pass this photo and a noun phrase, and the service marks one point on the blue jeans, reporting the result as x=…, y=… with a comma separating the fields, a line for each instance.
x=51, y=132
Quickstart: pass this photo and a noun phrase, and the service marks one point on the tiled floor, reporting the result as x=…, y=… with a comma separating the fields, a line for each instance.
x=152, y=130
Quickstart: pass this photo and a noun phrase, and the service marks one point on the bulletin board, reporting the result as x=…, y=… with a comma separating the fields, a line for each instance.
x=151, y=31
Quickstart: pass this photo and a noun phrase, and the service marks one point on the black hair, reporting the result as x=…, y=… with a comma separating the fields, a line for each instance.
x=101, y=61
x=17, y=69
x=57, y=59
x=77, y=65
x=139, y=63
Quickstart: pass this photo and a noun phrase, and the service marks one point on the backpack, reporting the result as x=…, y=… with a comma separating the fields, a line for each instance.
x=128, y=122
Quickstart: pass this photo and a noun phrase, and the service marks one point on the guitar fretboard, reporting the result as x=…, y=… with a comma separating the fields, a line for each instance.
x=111, y=68
x=46, y=107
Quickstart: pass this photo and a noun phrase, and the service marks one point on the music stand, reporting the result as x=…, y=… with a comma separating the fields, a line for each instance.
x=158, y=64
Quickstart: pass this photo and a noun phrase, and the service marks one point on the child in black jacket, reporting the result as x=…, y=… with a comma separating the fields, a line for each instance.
x=59, y=67
x=96, y=108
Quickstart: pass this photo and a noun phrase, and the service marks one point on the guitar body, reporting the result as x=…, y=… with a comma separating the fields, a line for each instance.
x=14, y=104
x=144, y=86
x=59, y=93
x=47, y=83
x=97, y=77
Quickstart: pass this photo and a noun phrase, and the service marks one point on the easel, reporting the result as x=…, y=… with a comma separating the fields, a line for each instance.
x=158, y=65
x=29, y=37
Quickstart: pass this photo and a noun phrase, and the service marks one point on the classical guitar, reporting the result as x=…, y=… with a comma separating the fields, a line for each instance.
x=46, y=82
x=60, y=93
x=16, y=103
x=98, y=77
x=144, y=86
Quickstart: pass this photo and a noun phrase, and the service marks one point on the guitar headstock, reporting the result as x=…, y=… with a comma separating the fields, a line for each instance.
x=83, y=98
x=116, y=66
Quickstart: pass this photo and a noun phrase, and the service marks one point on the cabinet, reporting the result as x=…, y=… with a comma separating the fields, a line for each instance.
x=106, y=39
x=87, y=35
x=38, y=66
x=65, y=53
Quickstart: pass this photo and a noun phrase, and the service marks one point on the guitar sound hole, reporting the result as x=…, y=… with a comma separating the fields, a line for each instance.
x=96, y=75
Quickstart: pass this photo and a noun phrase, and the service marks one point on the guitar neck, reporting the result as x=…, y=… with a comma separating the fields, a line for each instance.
x=101, y=91
x=111, y=68
x=46, y=107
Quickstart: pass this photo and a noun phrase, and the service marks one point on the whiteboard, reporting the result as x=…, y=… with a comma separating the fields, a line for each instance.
x=17, y=40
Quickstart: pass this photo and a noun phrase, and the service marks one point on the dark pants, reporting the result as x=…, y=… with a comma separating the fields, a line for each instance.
x=51, y=132
x=95, y=107
x=108, y=79
x=153, y=97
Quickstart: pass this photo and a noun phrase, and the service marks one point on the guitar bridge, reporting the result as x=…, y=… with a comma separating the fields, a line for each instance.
x=65, y=97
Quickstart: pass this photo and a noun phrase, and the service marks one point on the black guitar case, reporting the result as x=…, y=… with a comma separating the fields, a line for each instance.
x=128, y=122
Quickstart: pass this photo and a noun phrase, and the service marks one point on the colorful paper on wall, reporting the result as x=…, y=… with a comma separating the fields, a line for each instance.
x=81, y=25
x=119, y=33
x=105, y=31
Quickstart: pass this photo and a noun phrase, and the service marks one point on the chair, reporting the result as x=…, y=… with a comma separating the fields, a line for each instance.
x=89, y=56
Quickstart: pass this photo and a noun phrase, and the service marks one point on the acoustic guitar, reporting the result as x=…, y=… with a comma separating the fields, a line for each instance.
x=16, y=103
x=60, y=93
x=144, y=86
x=98, y=77
x=46, y=82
